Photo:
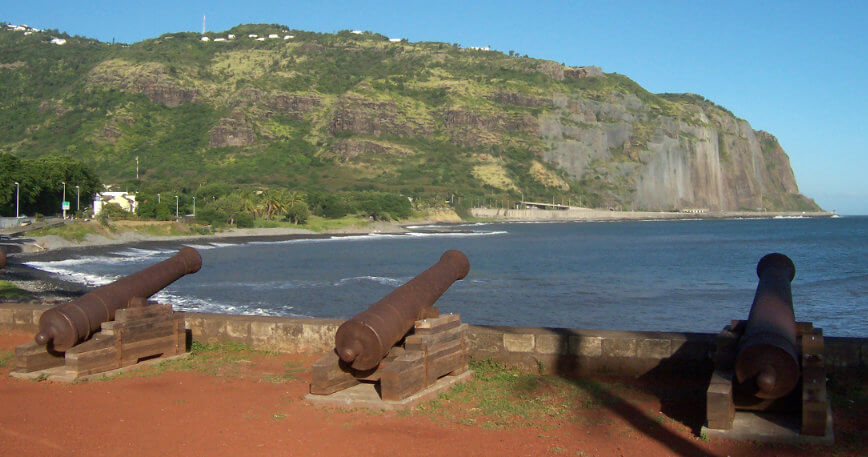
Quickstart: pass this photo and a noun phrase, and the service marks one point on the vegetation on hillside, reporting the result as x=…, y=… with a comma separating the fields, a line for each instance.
x=353, y=116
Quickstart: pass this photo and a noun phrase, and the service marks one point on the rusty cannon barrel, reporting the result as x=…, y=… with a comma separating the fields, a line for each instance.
x=768, y=351
x=66, y=325
x=367, y=337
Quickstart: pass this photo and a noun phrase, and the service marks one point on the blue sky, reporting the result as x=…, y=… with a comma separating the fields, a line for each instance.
x=796, y=69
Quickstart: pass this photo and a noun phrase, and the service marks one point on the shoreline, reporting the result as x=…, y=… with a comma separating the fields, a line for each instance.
x=46, y=287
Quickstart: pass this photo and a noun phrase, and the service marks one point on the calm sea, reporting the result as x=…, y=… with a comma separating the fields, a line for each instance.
x=669, y=275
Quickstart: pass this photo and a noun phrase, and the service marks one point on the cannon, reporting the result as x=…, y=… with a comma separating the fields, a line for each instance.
x=768, y=352
x=365, y=339
x=68, y=324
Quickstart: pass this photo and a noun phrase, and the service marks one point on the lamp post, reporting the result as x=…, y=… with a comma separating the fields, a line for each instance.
x=62, y=206
x=194, y=206
x=176, y=207
x=77, y=200
x=158, y=197
x=17, y=193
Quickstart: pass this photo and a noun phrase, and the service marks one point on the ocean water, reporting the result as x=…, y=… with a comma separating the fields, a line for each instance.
x=691, y=276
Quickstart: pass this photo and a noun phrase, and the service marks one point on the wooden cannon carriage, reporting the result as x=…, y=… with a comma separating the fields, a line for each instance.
x=109, y=328
x=770, y=365
x=399, y=347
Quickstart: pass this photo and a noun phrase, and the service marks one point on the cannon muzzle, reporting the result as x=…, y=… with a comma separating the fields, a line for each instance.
x=768, y=350
x=366, y=338
x=66, y=325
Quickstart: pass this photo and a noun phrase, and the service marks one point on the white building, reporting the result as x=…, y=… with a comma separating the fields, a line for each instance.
x=204, y=38
x=395, y=40
x=125, y=200
x=357, y=32
x=219, y=39
x=252, y=35
x=288, y=37
x=58, y=41
x=273, y=35
x=260, y=39
x=231, y=36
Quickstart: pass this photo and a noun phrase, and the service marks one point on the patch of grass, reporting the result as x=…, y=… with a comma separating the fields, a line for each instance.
x=11, y=291
x=5, y=357
x=74, y=231
x=291, y=371
x=219, y=359
x=500, y=397
x=320, y=224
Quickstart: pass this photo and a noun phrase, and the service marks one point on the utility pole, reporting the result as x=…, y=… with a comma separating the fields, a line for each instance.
x=17, y=194
x=176, y=208
x=62, y=206
x=194, y=206
x=137, y=167
x=158, y=197
x=77, y=200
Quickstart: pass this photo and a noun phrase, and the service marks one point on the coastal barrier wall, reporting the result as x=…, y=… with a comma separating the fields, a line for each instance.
x=576, y=352
x=589, y=214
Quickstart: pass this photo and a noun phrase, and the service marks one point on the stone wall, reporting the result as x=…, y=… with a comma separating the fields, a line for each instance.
x=549, y=350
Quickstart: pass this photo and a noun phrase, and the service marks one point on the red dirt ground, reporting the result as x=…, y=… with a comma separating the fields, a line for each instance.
x=189, y=413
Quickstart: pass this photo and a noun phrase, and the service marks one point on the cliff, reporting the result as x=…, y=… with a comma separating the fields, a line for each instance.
x=342, y=111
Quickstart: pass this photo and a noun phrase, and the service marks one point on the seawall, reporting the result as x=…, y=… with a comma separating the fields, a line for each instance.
x=588, y=214
x=575, y=352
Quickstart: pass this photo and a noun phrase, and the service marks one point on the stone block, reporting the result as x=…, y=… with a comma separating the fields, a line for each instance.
x=22, y=317
x=552, y=344
x=238, y=330
x=262, y=335
x=522, y=342
x=213, y=329
x=686, y=349
x=619, y=347
x=317, y=337
x=586, y=346
x=482, y=344
x=654, y=348
x=287, y=337
x=6, y=316
x=842, y=354
x=864, y=354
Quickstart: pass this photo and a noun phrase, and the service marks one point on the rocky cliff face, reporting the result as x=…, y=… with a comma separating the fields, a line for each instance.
x=705, y=159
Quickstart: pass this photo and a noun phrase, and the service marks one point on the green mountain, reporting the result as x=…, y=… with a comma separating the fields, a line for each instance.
x=263, y=105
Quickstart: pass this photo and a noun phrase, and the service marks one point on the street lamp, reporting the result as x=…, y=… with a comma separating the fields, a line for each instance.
x=194, y=206
x=158, y=197
x=176, y=207
x=77, y=201
x=17, y=193
x=62, y=206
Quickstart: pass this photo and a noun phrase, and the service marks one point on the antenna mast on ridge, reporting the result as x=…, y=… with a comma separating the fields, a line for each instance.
x=203, y=24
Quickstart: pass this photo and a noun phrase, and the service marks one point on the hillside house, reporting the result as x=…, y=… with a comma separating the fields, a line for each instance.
x=395, y=40
x=58, y=41
x=219, y=39
x=273, y=35
x=231, y=36
x=288, y=37
x=204, y=38
x=125, y=200
x=252, y=35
